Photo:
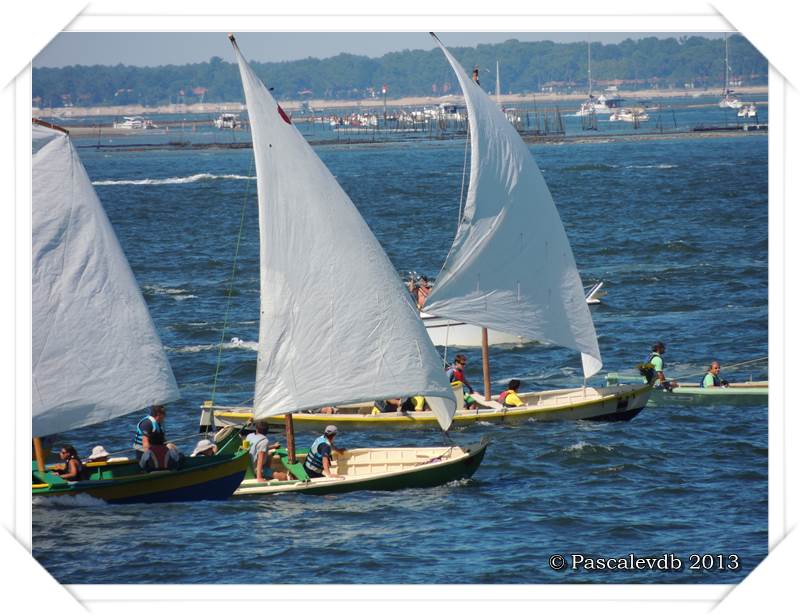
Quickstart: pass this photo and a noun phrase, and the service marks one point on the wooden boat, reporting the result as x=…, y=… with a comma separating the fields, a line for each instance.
x=740, y=393
x=124, y=482
x=317, y=340
x=96, y=353
x=385, y=468
x=590, y=403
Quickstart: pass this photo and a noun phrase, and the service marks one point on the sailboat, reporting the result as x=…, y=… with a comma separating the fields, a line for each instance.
x=510, y=269
x=729, y=99
x=321, y=344
x=596, y=104
x=96, y=353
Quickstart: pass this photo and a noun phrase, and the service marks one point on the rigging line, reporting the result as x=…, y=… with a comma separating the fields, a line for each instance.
x=233, y=278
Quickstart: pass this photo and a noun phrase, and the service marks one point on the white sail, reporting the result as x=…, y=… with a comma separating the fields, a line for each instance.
x=96, y=353
x=337, y=325
x=511, y=266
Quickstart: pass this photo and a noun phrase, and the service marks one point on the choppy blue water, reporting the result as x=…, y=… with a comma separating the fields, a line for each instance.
x=677, y=229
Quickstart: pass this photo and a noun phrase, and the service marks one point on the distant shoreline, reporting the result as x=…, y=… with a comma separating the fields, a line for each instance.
x=377, y=103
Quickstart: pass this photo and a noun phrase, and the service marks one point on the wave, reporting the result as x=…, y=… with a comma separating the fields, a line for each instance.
x=197, y=177
x=660, y=166
x=177, y=294
x=235, y=343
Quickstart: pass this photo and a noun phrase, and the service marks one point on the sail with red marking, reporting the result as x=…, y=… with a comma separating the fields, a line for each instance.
x=337, y=325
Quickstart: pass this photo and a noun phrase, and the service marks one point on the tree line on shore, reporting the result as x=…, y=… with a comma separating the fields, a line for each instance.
x=525, y=67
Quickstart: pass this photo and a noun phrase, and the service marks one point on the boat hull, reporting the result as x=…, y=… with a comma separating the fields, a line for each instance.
x=742, y=393
x=614, y=403
x=382, y=469
x=211, y=478
x=448, y=333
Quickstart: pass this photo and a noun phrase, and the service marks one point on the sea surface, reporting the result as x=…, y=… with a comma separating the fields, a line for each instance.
x=676, y=229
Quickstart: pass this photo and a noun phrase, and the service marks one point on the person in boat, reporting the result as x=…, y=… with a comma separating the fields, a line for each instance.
x=510, y=396
x=320, y=455
x=152, y=450
x=712, y=379
x=99, y=454
x=456, y=373
x=653, y=367
x=73, y=469
x=150, y=431
x=204, y=447
x=420, y=289
x=260, y=452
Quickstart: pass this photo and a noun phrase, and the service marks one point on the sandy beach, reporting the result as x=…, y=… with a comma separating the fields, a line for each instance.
x=759, y=93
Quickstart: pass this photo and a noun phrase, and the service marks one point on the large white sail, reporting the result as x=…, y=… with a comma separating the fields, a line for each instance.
x=337, y=326
x=511, y=266
x=96, y=353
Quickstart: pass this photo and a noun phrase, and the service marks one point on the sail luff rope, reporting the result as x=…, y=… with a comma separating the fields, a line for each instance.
x=230, y=286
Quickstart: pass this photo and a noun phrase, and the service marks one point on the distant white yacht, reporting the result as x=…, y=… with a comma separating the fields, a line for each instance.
x=134, y=123
x=729, y=99
x=748, y=111
x=228, y=120
x=597, y=104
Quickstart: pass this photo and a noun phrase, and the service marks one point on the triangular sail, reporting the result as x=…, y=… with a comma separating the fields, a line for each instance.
x=511, y=267
x=96, y=352
x=337, y=325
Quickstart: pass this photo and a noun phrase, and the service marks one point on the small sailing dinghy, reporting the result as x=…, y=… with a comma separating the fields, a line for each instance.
x=96, y=353
x=510, y=269
x=321, y=344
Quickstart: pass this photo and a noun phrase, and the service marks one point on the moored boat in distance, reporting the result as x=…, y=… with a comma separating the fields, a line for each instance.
x=228, y=120
x=134, y=123
x=748, y=111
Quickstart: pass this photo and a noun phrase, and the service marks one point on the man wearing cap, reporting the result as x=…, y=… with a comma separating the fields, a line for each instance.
x=319, y=458
x=260, y=452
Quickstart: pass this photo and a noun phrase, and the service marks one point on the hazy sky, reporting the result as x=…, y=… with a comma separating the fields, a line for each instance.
x=156, y=48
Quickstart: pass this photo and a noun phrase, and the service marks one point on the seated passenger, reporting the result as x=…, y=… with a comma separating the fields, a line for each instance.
x=204, y=448
x=260, y=452
x=387, y=406
x=509, y=397
x=99, y=454
x=73, y=467
x=416, y=404
x=712, y=378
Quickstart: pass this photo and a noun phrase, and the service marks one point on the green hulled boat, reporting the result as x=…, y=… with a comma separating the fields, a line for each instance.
x=96, y=354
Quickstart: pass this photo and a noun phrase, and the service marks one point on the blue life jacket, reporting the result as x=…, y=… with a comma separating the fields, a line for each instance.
x=314, y=457
x=154, y=438
x=717, y=381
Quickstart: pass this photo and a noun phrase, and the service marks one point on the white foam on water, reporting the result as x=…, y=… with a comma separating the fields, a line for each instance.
x=197, y=177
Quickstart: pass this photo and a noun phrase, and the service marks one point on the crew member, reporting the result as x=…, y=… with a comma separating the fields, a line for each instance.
x=319, y=458
x=509, y=397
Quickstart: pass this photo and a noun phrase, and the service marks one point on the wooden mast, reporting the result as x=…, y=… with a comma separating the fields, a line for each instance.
x=487, y=383
x=289, y=423
x=38, y=453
